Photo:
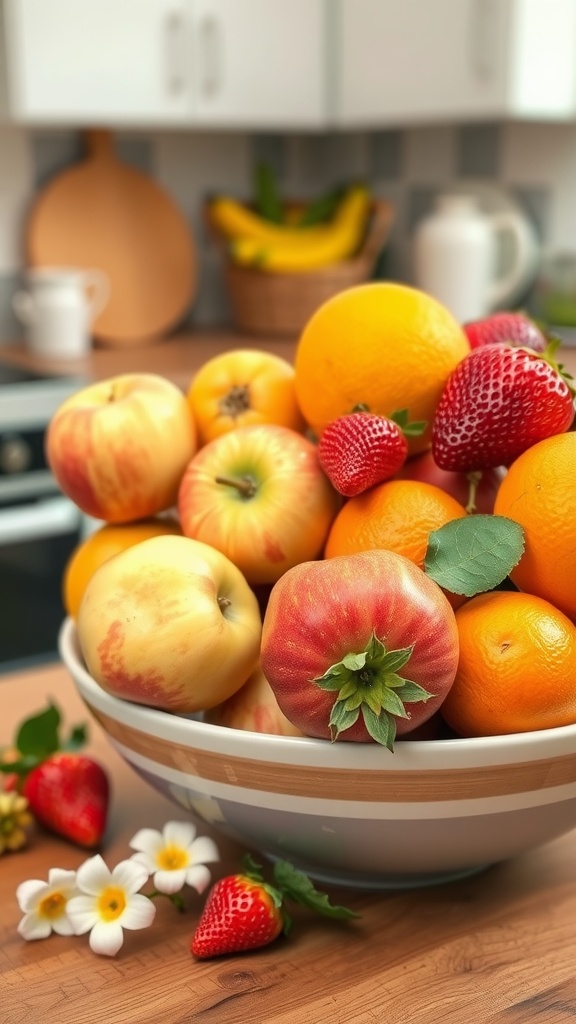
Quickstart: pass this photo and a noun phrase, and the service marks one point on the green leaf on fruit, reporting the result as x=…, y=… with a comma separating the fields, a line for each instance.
x=382, y=727
x=472, y=555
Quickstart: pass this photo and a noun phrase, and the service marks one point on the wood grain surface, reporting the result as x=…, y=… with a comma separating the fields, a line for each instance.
x=499, y=948
x=106, y=214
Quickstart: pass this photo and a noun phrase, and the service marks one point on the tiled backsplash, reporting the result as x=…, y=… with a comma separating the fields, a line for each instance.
x=535, y=163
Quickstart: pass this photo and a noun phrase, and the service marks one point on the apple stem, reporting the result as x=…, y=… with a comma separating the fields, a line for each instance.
x=223, y=603
x=244, y=484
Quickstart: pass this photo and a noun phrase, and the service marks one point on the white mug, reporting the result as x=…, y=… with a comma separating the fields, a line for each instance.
x=456, y=252
x=58, y=307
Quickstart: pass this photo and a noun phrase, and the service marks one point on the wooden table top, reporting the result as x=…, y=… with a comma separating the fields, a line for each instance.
x=499, y=948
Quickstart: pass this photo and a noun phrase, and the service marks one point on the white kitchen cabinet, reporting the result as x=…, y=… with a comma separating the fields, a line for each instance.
x=260, y=62
x=409, y=61
x=222, y=63
x=91, y=61
x=288, y=64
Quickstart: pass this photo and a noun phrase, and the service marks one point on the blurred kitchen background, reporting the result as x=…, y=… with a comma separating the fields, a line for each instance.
x=414, y=97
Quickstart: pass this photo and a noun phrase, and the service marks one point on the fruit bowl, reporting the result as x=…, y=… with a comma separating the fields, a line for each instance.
x=350, y=814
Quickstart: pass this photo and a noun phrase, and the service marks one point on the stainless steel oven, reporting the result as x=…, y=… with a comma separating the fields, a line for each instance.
x=39, y=527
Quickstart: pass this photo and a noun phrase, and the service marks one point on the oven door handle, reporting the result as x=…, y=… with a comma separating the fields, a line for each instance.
x=48, y=518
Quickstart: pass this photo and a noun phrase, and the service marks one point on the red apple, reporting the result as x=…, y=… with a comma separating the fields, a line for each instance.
x=118, y=448
x=259, y=495
x=422, y=467
x=170, y=623
x=254, y=708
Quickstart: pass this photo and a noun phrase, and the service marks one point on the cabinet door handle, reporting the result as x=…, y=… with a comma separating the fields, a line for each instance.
x=175, y=52
x=210, y=55
x=484, y=38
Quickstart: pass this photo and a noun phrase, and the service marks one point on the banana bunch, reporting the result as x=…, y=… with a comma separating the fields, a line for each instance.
x=286, y=248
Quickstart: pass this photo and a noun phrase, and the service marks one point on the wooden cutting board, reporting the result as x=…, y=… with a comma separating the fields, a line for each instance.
x=106, y=214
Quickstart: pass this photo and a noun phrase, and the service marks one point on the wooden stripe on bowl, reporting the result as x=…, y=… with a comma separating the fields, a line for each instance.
x=344, y=783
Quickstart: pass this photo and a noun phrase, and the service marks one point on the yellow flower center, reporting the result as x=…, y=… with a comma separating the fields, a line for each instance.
x=172, y=858
x=111, y=903
x=52, y=906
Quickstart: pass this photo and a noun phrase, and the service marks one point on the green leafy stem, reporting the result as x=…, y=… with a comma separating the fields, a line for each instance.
x=369, y=682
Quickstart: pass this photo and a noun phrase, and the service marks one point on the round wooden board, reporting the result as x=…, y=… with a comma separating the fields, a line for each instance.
x=106, y=214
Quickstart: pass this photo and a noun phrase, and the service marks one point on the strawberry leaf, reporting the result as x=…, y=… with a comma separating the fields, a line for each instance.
x=38, y=735
x=37, y=738
x=472, y=555
x=401, y=418
x=296, y=886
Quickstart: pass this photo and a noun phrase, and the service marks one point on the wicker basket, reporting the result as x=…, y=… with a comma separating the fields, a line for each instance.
x=281, y=304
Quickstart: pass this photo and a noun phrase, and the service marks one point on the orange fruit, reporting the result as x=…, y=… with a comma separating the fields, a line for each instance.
x=398, y=515
x=382, y=344
x=539, y=493
x=241, y=388
x=516, y=669
x=107, y=541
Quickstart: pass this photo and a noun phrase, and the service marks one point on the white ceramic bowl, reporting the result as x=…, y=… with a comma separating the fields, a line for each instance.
x=349, y=813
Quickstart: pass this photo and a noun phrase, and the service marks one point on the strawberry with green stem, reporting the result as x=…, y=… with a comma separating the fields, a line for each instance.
x=245, y=912
x=361, y=449
x=67, y=792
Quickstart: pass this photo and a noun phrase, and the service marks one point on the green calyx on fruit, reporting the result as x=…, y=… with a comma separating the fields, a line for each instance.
x=290, y=884
x=549, y=356
x=369, y=682
x=401, y=418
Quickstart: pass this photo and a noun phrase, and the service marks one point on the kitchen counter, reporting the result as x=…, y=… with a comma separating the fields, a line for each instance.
x=498, y=948
x=177, y=357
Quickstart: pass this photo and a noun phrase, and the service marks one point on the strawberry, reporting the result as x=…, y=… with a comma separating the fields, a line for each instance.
x=244, y=912
x=361, y=449
x=515, y=329
x=498, y=402
x=68, y=794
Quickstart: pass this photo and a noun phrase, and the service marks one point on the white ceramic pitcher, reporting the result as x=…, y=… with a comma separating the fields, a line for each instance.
x=58, y=307
x=456, y=251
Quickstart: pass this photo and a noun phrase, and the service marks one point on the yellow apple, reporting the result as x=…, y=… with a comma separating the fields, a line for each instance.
x=170, y=623
x=118, y=448
x=259, y=495
x=254, y=708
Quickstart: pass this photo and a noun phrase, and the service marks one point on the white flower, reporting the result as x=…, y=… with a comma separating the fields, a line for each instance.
x=110, y=902
x=175, y=856
x=45, y=905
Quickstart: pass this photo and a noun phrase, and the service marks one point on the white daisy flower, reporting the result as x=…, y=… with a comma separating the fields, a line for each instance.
x=175, y=856
x=109, y=902
x=45, y=905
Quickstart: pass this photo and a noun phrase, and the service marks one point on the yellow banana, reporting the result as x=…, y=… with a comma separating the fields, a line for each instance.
x=339, y=241
x=233, y=220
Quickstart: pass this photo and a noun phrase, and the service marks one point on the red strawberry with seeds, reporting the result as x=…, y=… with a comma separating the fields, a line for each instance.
x=244, y=912
x=515, y=329
x=68, y=794
x=498, y=402
x=361, y=449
